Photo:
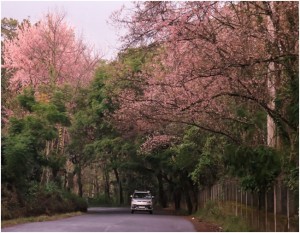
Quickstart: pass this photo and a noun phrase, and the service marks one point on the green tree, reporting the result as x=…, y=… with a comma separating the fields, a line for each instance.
x=8, y=28
x=89, y=124
x=24, y=146
x=256, y=167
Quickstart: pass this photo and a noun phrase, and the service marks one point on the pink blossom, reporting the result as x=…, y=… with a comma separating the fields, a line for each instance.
x=48, y=53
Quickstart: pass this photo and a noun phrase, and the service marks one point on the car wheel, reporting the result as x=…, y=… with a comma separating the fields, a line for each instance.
x=132, y=211
x=151, y=212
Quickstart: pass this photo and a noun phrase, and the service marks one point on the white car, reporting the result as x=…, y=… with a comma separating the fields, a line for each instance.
x=141, y=201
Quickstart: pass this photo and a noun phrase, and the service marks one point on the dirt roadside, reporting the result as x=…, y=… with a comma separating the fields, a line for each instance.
x=202, y=226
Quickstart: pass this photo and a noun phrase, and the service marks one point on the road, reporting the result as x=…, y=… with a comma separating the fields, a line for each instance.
x=99, y=219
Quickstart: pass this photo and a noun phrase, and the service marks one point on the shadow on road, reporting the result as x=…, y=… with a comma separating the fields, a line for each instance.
x=124, y=210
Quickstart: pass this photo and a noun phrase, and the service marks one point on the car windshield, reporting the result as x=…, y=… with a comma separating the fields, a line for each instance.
x=142, y=195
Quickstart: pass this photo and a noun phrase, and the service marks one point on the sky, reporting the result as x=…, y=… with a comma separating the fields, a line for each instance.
x=90, y=19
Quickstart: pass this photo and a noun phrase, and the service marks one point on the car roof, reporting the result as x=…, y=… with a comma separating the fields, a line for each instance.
x=136, y=191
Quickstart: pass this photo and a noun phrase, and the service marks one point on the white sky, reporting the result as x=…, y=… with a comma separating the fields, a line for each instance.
x=88, y=17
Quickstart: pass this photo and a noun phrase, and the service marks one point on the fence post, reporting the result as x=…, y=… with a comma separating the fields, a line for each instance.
x=236, y=197
x=288, y=207
x=266, y=210
x=204, y=197
x=241, y=202
x=201, y=199
x=246, y=203
x=275, y=202
x=218, y=199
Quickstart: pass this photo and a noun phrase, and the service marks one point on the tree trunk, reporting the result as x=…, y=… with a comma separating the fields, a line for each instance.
x=271, y=126
x=162, y=198
x=106, y=184
x=177, y=198
x=195, y=192
x=79, y=182
x=120, y=188
x=188, y=202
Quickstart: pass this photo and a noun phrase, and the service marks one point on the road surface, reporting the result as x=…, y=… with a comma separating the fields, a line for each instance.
x=100, y=219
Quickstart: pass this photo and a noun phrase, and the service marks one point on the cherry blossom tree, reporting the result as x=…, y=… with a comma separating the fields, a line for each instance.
x=215, y=56
x=48, y=53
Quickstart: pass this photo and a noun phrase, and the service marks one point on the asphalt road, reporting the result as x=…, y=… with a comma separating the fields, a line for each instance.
x=101, y=219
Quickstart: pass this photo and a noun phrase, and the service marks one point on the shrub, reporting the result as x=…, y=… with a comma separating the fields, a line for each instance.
x=100, y=201
x=217, y=214
x=40, y=200
x=76, y=202
x=11, y=207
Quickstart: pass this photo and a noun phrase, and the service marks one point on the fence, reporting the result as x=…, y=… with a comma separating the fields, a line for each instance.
x=272, y=211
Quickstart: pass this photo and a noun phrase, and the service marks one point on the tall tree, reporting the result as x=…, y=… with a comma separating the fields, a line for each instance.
x=48, y=53
x=24, y=149
x=48, y=57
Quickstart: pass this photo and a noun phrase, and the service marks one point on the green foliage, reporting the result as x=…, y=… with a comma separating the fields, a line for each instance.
x=186, y=153
x=22, y=159
x=101, y=200
x=51, y=113
x=128, y=68
x=291, y=171
x=256, y=167
x=288, y=95
x=27, y=100
x=9, y=28
x=209, y=166
x=39, y=199
x=55, y=162
x=24, y=149
x=133, y=58
x=214, y=212
x=99, y=97
x=251, y=125
x=16, y=126
x=59, y=98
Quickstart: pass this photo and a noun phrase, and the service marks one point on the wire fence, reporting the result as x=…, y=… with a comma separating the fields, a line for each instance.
x=275, y=210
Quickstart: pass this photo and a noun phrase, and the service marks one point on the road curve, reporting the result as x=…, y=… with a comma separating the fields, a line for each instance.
x=102, y=219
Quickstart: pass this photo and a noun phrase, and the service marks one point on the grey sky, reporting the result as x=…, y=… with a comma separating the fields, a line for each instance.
x=88, y=17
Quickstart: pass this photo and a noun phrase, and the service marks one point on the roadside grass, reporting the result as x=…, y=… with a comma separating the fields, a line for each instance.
x=214, y=213
x=41, y=218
